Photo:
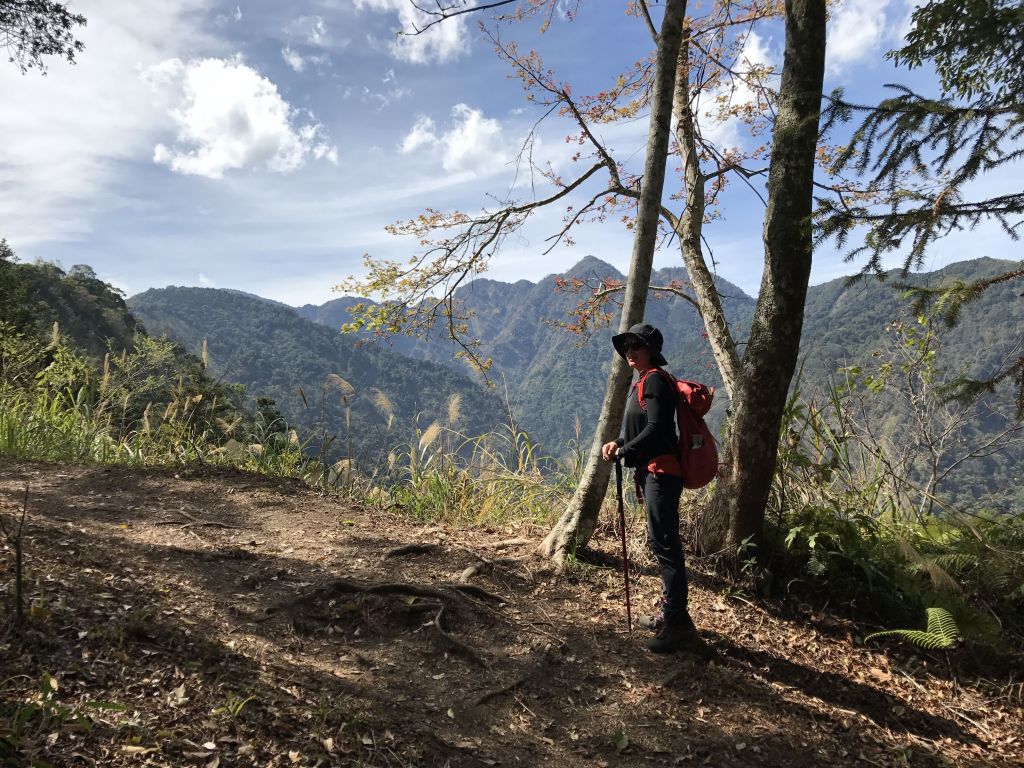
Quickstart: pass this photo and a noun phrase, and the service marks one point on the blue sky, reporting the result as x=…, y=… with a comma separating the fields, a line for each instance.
x=264, y=146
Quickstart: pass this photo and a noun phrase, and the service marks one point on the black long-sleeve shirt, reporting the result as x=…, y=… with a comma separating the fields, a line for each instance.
x=651, y=432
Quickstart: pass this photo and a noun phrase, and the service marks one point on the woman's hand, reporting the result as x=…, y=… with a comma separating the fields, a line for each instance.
x=608, y=451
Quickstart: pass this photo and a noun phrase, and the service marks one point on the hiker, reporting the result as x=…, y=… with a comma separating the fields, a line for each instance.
x=648, y=443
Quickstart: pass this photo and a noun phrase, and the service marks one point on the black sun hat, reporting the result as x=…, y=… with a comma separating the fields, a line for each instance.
x=645, y=334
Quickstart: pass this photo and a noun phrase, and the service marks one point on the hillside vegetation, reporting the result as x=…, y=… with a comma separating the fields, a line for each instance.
x=857, y=513
x=555, y=377
x=278, y=355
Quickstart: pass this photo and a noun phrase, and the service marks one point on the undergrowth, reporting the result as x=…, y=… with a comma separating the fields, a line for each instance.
x=856, y=515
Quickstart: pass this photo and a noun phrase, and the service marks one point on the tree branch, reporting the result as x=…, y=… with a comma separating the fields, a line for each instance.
x=442, y=13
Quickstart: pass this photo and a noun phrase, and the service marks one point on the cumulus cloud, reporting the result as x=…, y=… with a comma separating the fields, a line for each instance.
x=856, y=29
x=423, y=134
x=473, y=143
x=440, y=43
x=230, y=117
x=204, y=280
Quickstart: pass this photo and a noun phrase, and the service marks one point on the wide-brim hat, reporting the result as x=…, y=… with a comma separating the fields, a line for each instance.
x=647, y=335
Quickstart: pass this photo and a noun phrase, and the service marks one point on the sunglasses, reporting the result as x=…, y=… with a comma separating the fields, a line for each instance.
x=633, y=344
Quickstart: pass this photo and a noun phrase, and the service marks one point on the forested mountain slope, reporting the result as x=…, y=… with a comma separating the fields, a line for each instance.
x=275, y=353
x=556, y=376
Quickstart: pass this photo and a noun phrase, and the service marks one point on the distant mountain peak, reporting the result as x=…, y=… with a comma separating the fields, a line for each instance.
x=591, y=265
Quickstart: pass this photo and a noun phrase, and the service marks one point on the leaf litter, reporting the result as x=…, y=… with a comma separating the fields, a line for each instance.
x=302, y=631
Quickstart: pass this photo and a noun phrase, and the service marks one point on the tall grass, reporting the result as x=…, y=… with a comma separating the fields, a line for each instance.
x=56, y=406
x=447, y=476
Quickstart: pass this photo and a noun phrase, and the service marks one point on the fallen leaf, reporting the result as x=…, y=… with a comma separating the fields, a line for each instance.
x=132, y=749
x=880, y=675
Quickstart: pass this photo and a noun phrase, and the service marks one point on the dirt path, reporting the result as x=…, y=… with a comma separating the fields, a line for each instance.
x=236, y=620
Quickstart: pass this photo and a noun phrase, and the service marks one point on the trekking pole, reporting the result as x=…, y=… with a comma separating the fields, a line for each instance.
x=622, y=529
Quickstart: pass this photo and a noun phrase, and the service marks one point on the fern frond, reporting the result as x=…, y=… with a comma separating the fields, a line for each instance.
x=917, y=637
x=942, y=623
x=995, y=576
x=956, y=562
x=940, y=578
x=942, y=631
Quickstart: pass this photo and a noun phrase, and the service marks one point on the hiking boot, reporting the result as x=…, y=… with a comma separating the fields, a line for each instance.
x=653, y=623
x=679, y=635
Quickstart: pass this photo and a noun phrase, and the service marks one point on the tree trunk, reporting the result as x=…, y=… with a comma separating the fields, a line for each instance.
x=578, y=521
x=737, y=508
x=723, y=347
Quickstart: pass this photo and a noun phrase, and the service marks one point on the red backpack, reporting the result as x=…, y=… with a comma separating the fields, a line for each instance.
x=697, y=459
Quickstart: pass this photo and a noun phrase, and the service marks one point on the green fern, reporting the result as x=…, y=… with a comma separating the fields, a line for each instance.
x=942, y=631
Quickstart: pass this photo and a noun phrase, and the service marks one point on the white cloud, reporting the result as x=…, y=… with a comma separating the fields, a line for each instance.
x=472, y=143
x=423, y=134
x=68, y=137
x=223, y=18
x=728, y=131
x=856, y=30
x=228, y=116
x=312, y=29
x=293, y=59
x=442, y=42
x=204, y=280
x=384, y=98
x=475, y=143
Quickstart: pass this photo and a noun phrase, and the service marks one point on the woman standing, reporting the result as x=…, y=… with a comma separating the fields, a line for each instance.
x=649, y=443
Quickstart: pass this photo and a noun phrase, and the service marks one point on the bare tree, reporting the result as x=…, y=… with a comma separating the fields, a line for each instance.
x=33, y=29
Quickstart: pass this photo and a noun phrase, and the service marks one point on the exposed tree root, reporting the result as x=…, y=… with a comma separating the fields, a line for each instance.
x=345, y=587
x=507, y=543
x=493, y=694
x=479, y=592
x=437, y=598
x=200, y=524
x=484, y=565
x=457, y=646
x=409, y=549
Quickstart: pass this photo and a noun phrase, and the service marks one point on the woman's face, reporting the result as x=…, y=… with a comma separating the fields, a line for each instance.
x=638, y=356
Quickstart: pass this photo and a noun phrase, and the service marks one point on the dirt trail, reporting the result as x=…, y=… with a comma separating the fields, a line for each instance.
x=245, y=621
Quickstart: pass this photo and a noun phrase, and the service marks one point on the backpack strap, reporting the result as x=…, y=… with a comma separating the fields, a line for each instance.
x=640, y=384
